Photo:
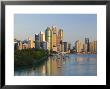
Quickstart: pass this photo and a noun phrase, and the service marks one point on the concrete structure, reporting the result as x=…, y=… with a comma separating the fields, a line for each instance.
x=42, y=36
x=47, y=46
x=85, y=48
x=78, y=46
x=65, y=46
x=37, y=41
x=62, y=47
x=48, y=37
x=58, y=47
x=54, y=38
x=30, y=43
x=93, y=47
x=87, y=42
x=60, y=34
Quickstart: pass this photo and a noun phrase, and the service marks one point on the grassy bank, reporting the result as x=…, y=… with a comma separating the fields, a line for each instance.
x=28, y=57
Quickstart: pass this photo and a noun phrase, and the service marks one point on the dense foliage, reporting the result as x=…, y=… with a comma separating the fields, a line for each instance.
x=28, y=57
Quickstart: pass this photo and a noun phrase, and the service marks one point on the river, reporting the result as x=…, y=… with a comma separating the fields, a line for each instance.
x=71, y=65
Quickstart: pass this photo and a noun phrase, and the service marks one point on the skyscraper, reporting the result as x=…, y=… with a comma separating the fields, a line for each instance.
x=59, y=39
x=78, y=46
x=65, y=46
x=45, y=45
x=87, y=42
x=85, y=48
x=60, y=34
x=30, y=43
x=62, y=47
x=48, y=36
x=95, y=46
x=41, y=39
x=42, y=36
x=37, y=41
x=54, y=38
x=91, y=47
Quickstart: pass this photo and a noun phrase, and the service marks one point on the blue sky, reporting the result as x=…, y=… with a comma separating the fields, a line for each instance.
x=75, y=26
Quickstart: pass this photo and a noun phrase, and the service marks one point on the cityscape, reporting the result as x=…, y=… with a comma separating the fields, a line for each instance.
x=55, y=45
x=52, y=40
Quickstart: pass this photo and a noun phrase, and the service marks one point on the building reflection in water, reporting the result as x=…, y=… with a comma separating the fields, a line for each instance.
x=52, y=66
x=73, y=65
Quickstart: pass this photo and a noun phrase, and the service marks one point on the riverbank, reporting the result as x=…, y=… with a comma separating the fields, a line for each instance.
x=29, y=57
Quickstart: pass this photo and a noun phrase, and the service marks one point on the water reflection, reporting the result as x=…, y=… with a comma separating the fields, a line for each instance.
x=73, y=65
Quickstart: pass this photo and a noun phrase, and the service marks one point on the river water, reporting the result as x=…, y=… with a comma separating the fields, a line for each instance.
x=71, y=65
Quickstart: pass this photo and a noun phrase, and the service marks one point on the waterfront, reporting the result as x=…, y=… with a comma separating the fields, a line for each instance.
x=71, y=65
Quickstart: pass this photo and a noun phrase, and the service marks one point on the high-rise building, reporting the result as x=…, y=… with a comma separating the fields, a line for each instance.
x=48, y=36
x=91, y=47
x=85, y=48
x=78, y=46
x=62, y=47
x=65, y=46
x=30, y=43
x=58, y=47
x=45, y=45
x=54, y=30
x=95, y=46
x=54, y=38
x=60, y=34
x=37, y=41
x=59, y=39
x=87, y=42
x=41, y=39
x=42, y=36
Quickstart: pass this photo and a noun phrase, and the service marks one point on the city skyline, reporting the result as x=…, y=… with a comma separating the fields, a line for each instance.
x=52, y=40
x=80, y=25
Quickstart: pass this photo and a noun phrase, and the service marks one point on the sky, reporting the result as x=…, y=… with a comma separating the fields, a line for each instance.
x=75, y=26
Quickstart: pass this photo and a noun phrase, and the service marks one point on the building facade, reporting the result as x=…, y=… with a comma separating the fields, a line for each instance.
x=42, y=36
x=78, y=46
x=65, y=46
x=48, y=37
x=31, y=43
x=87, y=43
x=37, y=41
x=54, y=36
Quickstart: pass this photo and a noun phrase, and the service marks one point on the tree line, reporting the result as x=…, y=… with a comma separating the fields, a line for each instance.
x=27, y=57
